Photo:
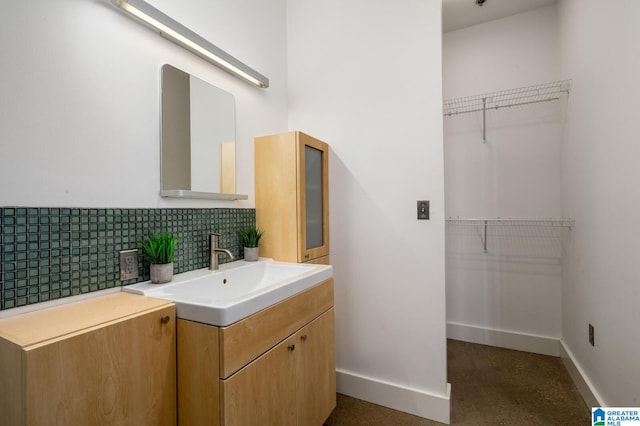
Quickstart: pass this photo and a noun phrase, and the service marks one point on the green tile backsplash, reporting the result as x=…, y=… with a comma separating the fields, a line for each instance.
x=49, y=252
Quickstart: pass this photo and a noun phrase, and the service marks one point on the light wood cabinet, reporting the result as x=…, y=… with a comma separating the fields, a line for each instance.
x=274, y=367
x=103, y=361
x=316, y=370
x=264, y=391
x=292, y=197
x=198, y=374
x=291, y=384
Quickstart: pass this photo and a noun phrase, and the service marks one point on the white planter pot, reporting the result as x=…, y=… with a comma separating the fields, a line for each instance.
x=161, y=273
x=251, y=254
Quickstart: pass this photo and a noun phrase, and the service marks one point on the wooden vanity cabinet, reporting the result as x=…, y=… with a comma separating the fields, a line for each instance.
x=291, y=384
x=276, y=367
x=103, y=361
x=292, y=197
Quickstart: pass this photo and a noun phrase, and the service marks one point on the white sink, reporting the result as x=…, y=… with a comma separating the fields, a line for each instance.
x=235, y=291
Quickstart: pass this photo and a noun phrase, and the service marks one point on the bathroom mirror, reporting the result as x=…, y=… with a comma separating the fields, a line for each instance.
x=198, y=138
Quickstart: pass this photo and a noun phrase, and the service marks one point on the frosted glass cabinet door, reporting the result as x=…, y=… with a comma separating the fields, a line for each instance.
x=313, y=197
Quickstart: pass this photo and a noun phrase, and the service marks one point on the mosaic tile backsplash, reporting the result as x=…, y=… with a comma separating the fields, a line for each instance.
x=49, y=253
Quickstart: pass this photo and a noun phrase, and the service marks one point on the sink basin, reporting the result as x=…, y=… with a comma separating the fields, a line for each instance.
x=237, y=290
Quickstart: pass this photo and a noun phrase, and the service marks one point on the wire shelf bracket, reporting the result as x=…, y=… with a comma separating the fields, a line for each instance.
x=545, y=92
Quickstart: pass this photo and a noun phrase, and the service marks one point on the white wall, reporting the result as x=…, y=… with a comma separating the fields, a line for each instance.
x=599, y=50
x=516, y=286
x=79, y=116
x=512, y=52
x=365, y=76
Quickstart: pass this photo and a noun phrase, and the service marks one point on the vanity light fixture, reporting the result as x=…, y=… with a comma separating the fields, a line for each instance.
x=183, y=36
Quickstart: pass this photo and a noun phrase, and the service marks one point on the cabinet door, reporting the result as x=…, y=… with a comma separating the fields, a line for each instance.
x=122, y=373
x=313, y=226
x=263, y=392
x=316, y=370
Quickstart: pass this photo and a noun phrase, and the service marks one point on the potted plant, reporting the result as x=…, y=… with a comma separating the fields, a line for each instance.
x=250, y=238
x=158, y=248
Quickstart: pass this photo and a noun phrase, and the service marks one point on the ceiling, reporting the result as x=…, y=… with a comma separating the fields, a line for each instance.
x=458, y=14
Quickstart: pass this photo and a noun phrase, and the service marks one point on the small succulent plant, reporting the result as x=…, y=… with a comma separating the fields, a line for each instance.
x=158, y=248
x=251, y=236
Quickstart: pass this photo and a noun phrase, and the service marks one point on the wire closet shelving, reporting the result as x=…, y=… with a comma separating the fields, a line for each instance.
x=545, y=92
x=511, y=227
x=508, y=227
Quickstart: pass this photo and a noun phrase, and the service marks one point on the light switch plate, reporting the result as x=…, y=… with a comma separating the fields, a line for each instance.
x=423, y=210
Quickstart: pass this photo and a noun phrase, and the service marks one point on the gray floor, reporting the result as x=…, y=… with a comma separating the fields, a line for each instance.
x=490, y=386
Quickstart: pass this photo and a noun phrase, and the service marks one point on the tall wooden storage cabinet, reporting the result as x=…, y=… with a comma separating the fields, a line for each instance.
x=292, y=197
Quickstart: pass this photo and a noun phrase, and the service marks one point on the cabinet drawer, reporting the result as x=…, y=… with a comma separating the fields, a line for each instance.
x=244, y=341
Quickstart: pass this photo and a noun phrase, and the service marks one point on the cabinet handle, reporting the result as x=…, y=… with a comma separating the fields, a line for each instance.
x=291, y=347
x=303, y=337
x=165, y=319
x=306, y=256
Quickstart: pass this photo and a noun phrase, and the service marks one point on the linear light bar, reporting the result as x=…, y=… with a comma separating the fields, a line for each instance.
x=183, y=36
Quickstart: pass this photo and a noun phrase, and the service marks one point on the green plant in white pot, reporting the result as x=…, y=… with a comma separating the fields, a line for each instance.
x=250, y=237
x=159, y=248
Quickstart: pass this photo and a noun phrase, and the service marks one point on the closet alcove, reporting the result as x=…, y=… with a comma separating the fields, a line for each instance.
x=507, y=238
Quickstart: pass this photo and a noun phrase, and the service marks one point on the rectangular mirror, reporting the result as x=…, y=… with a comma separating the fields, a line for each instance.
x=198, y=139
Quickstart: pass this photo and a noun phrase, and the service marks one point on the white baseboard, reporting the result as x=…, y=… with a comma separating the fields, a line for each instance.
x=412, y=401
x=504, y=339
x=585, y=387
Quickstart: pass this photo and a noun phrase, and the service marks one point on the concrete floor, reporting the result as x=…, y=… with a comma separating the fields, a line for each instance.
x=489, y=386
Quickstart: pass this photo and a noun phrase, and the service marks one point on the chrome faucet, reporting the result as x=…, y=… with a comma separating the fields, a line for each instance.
x=214, y=251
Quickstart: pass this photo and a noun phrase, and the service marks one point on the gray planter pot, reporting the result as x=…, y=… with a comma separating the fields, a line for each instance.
x=161, y=273
x=251, y=254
